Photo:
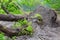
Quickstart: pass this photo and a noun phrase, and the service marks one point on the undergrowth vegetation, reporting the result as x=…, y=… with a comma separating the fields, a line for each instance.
x=25, y=26
x=18, y=6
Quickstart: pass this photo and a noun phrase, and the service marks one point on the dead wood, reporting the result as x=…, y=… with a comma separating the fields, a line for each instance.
x=10, y=17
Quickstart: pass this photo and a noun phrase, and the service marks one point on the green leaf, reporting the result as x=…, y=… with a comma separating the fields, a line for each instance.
x=29, y=28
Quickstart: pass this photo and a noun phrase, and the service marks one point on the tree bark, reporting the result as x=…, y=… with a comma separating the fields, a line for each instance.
x=10, y=17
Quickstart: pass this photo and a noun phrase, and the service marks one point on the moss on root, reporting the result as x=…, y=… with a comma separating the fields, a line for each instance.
x=25, y=26
x=38, y=18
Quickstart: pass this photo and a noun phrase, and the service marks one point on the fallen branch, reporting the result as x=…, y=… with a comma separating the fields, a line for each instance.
x=10, y=17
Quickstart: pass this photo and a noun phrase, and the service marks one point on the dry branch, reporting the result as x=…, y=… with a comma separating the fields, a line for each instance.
x=10, y=17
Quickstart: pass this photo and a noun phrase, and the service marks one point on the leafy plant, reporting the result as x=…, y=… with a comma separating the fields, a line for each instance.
x=2, y=37
x=13, y=8
x=24, y=30
x=23, y=22
x=29, y=28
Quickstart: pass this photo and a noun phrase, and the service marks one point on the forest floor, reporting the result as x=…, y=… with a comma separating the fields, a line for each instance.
x=44, y=32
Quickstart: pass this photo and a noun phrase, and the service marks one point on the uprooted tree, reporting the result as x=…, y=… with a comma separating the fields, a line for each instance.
x=48, y=16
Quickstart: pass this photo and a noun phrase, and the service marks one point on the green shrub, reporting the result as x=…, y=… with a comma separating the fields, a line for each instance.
x=14, y=9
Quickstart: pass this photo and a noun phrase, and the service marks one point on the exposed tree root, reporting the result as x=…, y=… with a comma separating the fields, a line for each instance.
x=10, y=17
x=48, y=15
x=8, y=32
